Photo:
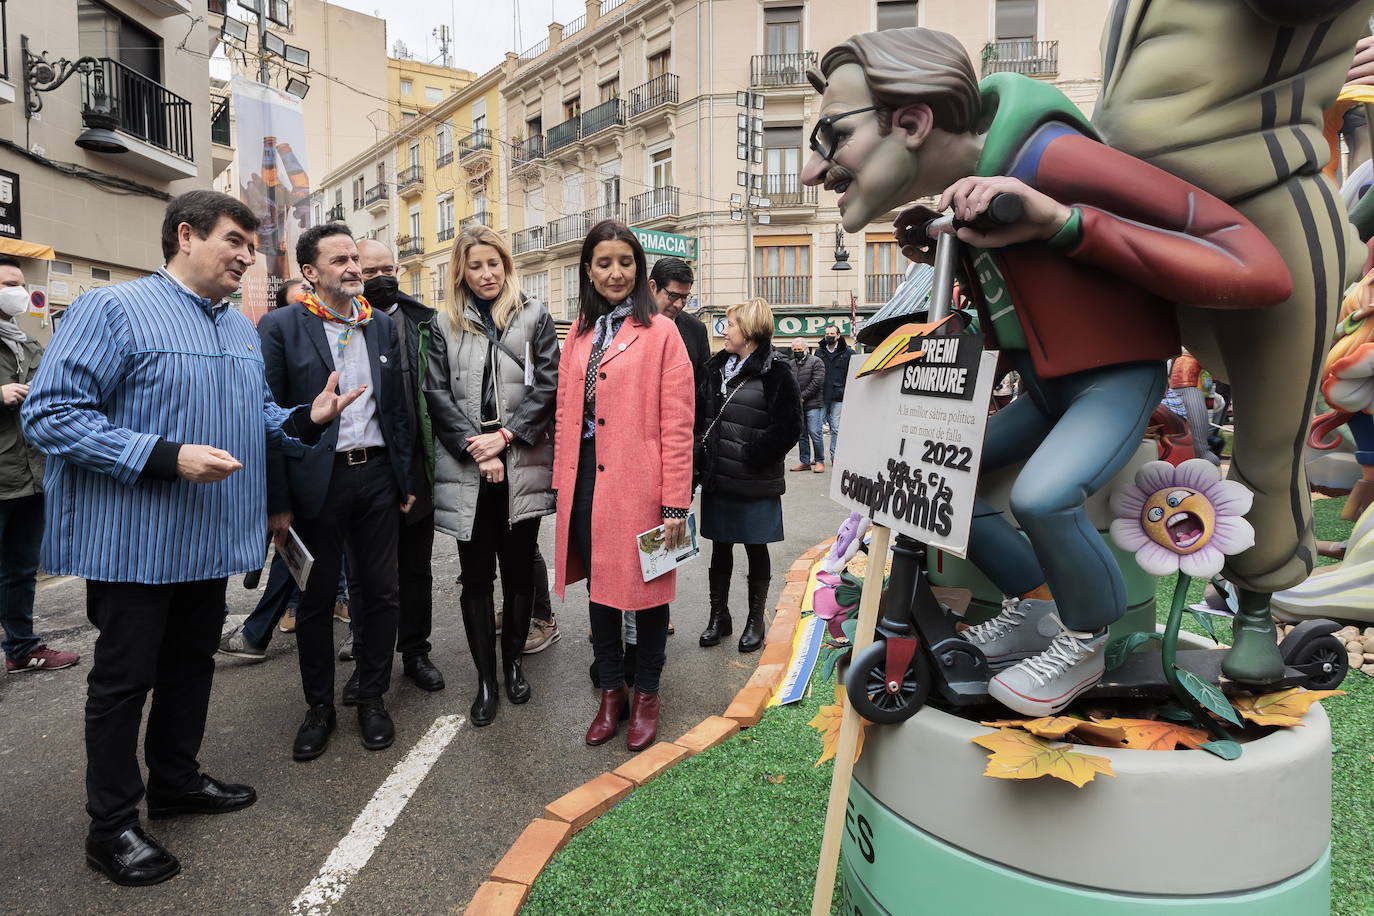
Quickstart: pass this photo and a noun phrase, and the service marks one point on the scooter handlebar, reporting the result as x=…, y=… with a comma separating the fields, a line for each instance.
x=1003, y=210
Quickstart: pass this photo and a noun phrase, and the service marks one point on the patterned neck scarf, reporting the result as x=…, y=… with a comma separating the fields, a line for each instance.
x=733, y=364
x=362, y=314
x=605, y=330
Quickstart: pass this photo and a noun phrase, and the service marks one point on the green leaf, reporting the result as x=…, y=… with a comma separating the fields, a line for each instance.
x=850, y=627
x=1174, y=713
x=1208, y=695
x=1120, y=649
x=1226, y=750
x=1205, y=621
x=829, y=658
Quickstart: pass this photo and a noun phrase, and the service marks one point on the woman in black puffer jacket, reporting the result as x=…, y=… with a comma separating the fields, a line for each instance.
x=749, y=417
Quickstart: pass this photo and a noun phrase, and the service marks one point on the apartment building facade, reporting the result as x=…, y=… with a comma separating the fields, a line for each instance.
x=688, y=120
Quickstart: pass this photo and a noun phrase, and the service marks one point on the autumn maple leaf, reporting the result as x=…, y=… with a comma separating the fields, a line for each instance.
x=827, y=722
x=1019, y=755
x=1286, y=707
x=1142, y=734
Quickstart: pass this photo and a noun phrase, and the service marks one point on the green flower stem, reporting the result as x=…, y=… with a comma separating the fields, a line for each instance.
x=1169, y=651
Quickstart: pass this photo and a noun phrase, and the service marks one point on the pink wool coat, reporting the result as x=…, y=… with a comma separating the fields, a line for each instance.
x=645, y=405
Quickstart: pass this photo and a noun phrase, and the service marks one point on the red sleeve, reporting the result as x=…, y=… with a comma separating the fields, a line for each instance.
x=676, y=413
x=1159, y=232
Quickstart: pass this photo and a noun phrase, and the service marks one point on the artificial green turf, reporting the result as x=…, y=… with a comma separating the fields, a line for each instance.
x=737, y=830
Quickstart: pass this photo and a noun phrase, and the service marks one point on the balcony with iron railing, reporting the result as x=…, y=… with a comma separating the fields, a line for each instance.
x=446, y=234
x=408, y=246
x=781, y=69
x=1021, y=55
x=410, y=181
x=523, y=152
x=533, y=51
x=476, y=142
x=608, y=114
x=334, y=214
x=605, y=211
x=560, y=135
x=531, y=239
x=608, y=5
x=219, y=120
x=572, y=228
x=116, y=97
x=444, y=158
x=573, y=301
x=661, y=90
x=575, y=26
x=375, y=198
x=783, y=190
x=480, y=218
x=656, y=203
x=878, y=288
x=785, y=290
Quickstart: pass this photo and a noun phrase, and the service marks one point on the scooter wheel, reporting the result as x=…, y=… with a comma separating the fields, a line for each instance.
x=1324, y=655
x=867, y=685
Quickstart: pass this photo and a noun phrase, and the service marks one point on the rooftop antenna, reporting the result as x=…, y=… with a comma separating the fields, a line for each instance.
x=445, y=38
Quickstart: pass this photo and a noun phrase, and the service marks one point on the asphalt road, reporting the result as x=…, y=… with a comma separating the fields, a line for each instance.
x=472, y=802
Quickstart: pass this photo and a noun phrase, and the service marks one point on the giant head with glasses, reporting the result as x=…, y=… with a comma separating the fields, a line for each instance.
x=898, y=113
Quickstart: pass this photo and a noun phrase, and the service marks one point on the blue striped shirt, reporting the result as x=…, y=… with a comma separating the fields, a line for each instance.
x=130, y=364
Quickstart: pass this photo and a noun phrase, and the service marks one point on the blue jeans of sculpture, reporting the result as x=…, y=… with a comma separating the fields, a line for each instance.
x=831, y=413
x=1074, y=434
x=812, y=440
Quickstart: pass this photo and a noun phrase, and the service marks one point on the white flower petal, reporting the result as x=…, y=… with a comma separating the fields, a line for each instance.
x=1202, y=564
x=1128, y=535
x=1197, y=473
x=1154, y=475
x=1127, y=502
x=1230, y=497
x=1232, y=535
x=1156, y=560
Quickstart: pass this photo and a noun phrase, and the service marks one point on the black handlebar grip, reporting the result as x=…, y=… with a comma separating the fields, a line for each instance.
x=1003, y=210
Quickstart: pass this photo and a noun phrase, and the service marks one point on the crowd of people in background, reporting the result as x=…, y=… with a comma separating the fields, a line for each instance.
x=156, y=411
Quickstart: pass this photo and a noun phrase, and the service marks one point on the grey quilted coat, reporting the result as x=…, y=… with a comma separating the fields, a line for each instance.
x=454, y=364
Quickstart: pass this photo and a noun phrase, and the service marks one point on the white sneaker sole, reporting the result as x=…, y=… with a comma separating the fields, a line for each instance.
x=543, y=645
x=1030, y=706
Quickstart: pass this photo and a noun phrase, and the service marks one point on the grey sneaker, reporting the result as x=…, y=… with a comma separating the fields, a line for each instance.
x=1025, y=627
x=543, y=633
x=1046, y=683
x=235, y=644
x=346, y=648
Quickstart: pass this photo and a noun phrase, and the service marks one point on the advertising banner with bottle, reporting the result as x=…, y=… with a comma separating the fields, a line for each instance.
x=273, y=182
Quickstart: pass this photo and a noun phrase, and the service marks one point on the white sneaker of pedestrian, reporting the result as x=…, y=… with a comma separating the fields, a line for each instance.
x=235, y=644
x=1025, y=627
x=1046, y=683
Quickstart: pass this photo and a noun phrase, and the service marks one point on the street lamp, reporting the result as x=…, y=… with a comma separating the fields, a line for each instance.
x=841, y=255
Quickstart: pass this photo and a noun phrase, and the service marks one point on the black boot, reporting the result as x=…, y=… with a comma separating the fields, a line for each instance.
x=719, y=624
x=479, y=620
x=751, y=640
x=514, y=631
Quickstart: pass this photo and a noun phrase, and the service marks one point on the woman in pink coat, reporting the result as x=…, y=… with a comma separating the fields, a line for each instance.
x=622, y=465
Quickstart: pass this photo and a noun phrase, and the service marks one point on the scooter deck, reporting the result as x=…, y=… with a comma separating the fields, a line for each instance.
x=1142, y=675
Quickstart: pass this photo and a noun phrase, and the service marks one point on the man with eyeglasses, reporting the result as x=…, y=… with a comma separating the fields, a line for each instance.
x=1078, y=294
x=670, y=281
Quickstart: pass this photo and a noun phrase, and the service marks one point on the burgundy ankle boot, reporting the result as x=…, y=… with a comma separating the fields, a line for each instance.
x=608, y=716
x=643, y=721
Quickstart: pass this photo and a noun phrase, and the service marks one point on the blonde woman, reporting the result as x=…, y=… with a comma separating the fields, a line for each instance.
x=749, y=416
x=490, y=378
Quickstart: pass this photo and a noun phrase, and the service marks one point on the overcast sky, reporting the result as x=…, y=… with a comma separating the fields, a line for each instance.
x=483, y=30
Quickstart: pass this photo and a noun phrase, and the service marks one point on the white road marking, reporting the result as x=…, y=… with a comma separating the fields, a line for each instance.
x=368, y=831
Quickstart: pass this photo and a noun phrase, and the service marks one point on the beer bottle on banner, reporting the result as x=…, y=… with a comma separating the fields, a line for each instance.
x=271, y=237
x=300, y=183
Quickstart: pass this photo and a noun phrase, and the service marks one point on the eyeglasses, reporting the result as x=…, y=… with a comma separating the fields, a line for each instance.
x=676, y=297
x=823, y=138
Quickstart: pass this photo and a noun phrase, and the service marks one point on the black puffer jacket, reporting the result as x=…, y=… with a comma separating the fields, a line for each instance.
x=745, y=449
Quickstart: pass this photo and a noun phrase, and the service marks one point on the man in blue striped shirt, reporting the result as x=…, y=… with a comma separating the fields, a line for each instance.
x=153, y=410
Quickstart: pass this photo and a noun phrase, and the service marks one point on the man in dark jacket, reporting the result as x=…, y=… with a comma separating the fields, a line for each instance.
x=810, y=373
x=835, y=353
x=670, y=281
x=415, y=550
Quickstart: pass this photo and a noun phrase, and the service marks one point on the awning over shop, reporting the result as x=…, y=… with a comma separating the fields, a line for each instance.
x=20, y=249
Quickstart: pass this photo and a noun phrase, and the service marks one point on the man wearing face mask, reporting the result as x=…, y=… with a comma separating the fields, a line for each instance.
x=810, y=373
x=21, y=487
x=416, y=547
x=834, y=352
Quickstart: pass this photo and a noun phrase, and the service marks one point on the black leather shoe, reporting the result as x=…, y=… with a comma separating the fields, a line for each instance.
x=350, y=691
x=212, y=797
x=422, y=671
x=313, y=736
x=133, y=858
x=375, y=724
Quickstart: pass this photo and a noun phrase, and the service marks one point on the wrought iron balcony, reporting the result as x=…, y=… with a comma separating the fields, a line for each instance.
x=410, y=181
x=605, y=211
x=787, y=191
x=443, y=159
x=334, y=214
x=607, y=114
x=560, y=135
x=661, y=90
x=572, y=228
x=446, y=234
x=408, y=246
x=480, y=218
x=789, y=290
x=475, y=142
x=526, y=151
x=780, y=69
x=1021, y=55
x=116, y=97
x=375, y=196
x=880, y=287
x=656, y=203
x=219, y=121
x=531, y=239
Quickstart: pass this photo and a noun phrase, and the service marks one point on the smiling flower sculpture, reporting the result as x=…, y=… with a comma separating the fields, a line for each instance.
x=1183, y=518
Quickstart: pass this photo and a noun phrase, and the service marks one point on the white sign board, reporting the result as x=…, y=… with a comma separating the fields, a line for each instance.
x=911, y=441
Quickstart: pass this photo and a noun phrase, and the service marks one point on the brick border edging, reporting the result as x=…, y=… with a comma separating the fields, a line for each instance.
x=505, y=890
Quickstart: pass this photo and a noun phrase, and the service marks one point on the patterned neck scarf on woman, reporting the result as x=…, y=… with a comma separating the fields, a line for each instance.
x=362, y=314
x=605, y=330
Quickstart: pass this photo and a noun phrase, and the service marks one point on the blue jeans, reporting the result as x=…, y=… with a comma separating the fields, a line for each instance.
x=1074, y=434
x=21, y=533
x=831, y=413
x=279, y=596
x=811, y=437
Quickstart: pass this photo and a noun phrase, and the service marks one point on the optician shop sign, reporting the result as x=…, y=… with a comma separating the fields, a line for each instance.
x=10, y=225
x=666, y=243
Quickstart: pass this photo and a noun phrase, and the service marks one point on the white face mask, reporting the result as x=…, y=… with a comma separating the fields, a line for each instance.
x=14, y=301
